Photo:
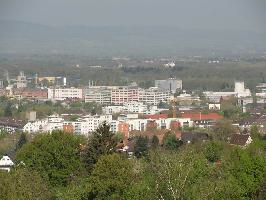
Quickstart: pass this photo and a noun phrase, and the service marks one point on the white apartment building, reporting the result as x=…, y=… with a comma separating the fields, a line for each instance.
x=241, y=90
x=61, y=94
x=132, y=107
x=53, y=122
x=153, y=96
x=124, y=94
x=109, y=110
x=215, y=97
x=98, y=95
x=36, y=126
x=84, y=125
x=261, y=91
x=135, y=107
x=141, y=124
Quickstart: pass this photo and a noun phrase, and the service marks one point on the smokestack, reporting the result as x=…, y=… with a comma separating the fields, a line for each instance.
x=64, y=81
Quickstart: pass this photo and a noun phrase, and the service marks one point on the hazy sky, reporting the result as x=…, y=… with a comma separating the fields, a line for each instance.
x=192, y=14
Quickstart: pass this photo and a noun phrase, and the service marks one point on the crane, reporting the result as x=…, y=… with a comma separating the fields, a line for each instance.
x=173, y=102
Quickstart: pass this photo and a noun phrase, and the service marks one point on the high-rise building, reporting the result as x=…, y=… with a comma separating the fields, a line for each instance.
x=21, y=80
x=169, y=85
x=241, y=90
x=1, y=84
x=239, y=87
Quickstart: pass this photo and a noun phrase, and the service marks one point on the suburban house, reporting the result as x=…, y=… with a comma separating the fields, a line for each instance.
x=201, y=119
x=240, y=140
x=189, y=137
x=6, y=163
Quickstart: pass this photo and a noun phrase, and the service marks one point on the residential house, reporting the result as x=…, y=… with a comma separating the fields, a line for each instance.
x=240, y=140
x=6, y=163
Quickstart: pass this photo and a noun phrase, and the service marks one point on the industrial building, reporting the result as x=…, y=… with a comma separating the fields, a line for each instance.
x=170, y=85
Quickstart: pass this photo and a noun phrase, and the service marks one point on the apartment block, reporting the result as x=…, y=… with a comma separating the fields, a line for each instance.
x=125, y=94
x=61, y=94
x=98, y=95
x=169, y=85
x=153, y=96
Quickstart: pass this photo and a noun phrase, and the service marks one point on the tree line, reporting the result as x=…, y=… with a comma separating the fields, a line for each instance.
x=64, y=166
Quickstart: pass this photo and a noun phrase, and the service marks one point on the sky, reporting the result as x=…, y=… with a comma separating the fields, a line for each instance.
x=186, y=14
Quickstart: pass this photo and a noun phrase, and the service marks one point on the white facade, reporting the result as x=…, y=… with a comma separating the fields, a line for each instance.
x=214, y=106
x=240, y=89
x=34, y=127
x=64, y=81
x=98, y=95
x=153, y=96
x=216, y=96
x=108, y=110
x=133, y=107
x=83, y=126
x=141, y=124
x=61, y=94
x=6, y=163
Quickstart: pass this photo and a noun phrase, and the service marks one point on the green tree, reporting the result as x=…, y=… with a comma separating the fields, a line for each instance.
x=23, y=184
x=248, y=170
x=172, y=174
x=171, y=142
x=254, y=132
x=77, y=190
x=101, y=142
x=74, y=118
x=55, y=156
x=141, y=146
x=154, y=141
x=22, y=140
x=111, y=177
x=213, y=151
x=223, y=130
x=8, y=110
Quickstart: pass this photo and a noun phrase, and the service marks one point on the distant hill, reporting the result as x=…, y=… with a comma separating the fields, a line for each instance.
x=28, y=38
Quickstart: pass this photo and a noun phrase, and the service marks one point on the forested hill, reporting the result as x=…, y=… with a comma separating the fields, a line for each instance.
x=29, y=38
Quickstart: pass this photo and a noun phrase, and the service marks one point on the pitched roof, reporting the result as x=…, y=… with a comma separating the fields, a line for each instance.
x=201, y=116
x=6, y=161
x=189, y=136
x=156, y=116
x=238, y=139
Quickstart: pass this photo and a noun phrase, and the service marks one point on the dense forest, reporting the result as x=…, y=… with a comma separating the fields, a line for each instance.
x=195, y=73
x=67, y=167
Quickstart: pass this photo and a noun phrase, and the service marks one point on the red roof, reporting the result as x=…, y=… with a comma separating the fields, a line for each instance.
x=156, y=116
x=200, y=116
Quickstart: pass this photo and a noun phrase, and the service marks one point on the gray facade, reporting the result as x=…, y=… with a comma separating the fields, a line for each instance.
x=170, y=85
